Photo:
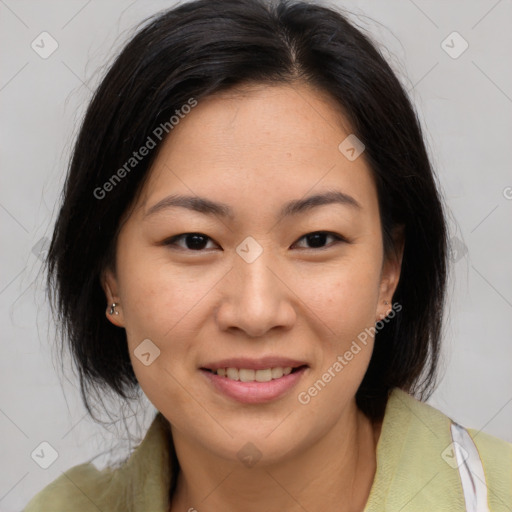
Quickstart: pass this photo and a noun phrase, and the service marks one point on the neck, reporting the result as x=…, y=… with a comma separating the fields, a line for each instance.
x=335, y=473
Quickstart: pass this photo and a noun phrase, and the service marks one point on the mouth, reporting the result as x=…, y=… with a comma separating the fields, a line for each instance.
x=251, y=375
x=254, y=381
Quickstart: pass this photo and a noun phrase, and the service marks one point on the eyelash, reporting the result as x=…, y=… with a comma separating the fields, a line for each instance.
x=337, y=239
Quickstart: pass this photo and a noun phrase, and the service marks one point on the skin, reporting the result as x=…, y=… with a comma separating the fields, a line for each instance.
x=255, y=149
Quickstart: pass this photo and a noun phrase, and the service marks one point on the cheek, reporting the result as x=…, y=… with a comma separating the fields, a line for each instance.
x=344, y=301
x=345, y=295
x=159, y=305
x=157, y=296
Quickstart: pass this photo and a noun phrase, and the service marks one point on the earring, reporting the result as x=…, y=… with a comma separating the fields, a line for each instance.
x=384, y=315
x=113, y=309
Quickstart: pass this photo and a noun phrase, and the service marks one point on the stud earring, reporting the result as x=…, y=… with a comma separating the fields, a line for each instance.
x=113, y=309
x=384, y=315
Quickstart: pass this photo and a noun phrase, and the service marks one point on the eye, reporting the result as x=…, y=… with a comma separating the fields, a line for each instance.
x=199, y=241
x=318, y=239
x=193, y=241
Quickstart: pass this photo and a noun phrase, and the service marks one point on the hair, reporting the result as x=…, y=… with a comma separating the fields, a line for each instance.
x=203, y=47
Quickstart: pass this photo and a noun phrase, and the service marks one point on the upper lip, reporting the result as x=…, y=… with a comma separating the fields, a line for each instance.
x=255, y=364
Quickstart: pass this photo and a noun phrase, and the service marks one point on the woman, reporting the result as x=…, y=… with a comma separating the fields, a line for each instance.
x=251, y=200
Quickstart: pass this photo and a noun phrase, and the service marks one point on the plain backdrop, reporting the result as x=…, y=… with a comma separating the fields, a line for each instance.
x=464, y=99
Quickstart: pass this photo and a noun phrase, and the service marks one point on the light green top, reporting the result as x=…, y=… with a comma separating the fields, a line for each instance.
x=414, y=470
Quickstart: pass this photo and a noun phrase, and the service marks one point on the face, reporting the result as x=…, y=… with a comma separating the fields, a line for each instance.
x=255, y=245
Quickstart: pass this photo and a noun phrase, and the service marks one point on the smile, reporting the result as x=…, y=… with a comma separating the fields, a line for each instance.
x=250, y=375
x=254, y=385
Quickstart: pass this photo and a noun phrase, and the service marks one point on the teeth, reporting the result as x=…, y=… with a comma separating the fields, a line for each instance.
x=263, y=375
x=232, y=373
x=277, y=373
x=248, y=375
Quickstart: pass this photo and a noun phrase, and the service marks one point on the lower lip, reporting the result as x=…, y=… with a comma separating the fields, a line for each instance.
x=255, y=392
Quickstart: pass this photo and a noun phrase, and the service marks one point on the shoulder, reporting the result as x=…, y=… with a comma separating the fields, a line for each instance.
x=429, y=444
x=141, y=483
x=496, y=457
x=84, y=486
x=492, y=449
x=495, y=453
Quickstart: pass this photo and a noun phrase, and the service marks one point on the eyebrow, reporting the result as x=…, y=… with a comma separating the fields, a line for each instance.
x=294, y=207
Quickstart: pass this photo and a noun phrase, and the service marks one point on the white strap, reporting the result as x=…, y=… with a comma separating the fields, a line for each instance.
x=471, y=470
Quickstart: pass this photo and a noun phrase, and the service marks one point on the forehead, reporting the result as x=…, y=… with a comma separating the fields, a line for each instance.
x=259, y=142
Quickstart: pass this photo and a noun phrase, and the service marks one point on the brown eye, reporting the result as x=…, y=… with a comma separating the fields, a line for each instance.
x=318, y=239
x=192, y=241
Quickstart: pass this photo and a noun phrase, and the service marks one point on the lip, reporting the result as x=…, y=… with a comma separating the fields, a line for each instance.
x=254, y=392
x=255, y=364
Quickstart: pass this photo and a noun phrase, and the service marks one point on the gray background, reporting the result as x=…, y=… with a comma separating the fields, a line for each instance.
x=465, y=104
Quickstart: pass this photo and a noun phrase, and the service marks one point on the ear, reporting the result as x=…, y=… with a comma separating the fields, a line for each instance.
x=390, y=274
x=110, y=287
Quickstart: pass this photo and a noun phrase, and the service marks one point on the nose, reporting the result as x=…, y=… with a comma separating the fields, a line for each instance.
x=255, y=298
